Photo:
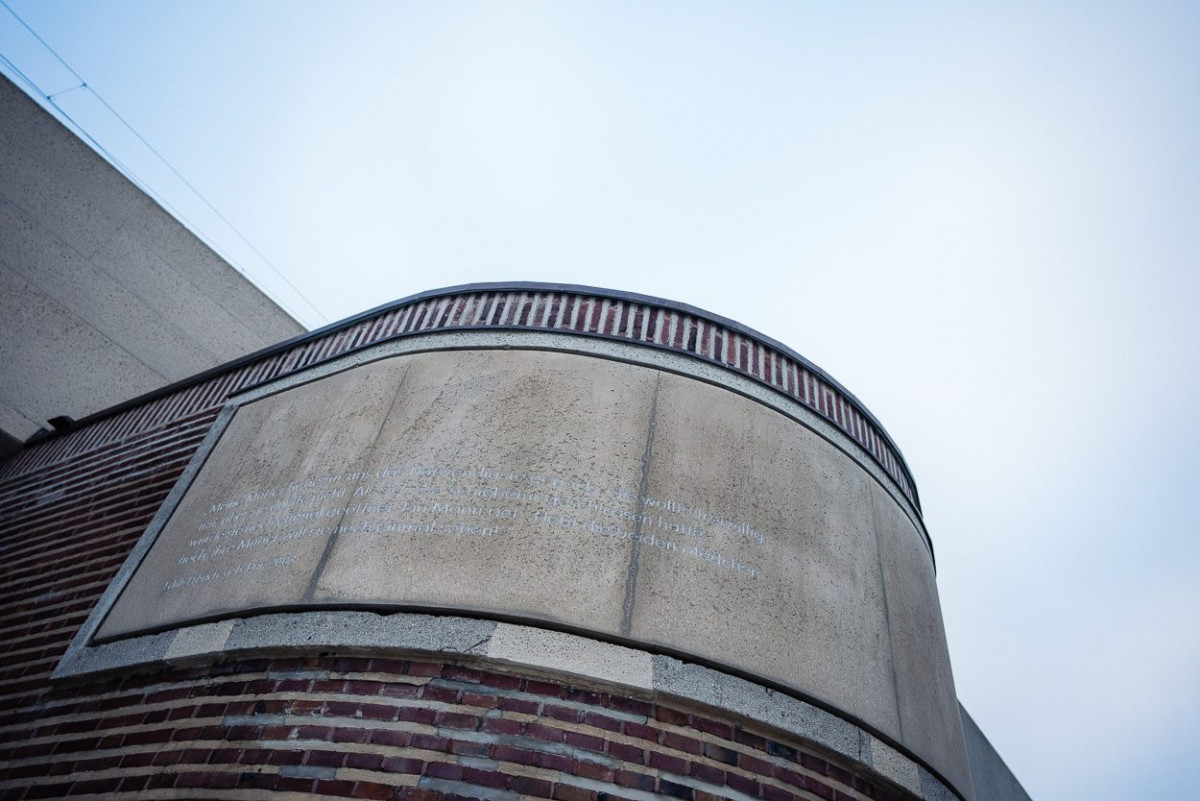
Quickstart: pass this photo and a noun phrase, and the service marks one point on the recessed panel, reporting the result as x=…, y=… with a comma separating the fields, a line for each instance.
x=569, y=490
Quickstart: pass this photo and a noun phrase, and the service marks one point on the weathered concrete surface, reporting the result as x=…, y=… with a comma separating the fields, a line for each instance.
x=789, y=506
x=993, y=780
x=225, y=553
x=925, y=693
x=574, y=491
x=103, y=295
x=550, y=422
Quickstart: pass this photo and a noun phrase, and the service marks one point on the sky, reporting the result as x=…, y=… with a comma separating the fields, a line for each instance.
x=982, y=218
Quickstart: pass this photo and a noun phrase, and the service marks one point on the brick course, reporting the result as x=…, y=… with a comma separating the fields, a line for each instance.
x=302, y=724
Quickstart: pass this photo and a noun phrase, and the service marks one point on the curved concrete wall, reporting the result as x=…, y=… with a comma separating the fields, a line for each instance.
x=624, y=492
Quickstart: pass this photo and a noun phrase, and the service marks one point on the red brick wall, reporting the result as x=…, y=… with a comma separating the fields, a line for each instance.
x=389, y=728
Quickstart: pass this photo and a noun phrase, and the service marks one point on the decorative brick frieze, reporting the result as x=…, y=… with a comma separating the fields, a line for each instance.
x=573, y=310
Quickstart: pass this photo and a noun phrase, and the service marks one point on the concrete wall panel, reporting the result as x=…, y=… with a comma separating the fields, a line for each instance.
x=147, y=302
x=580, y=492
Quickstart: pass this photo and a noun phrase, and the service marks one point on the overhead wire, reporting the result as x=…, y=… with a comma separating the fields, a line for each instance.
x=129, y=172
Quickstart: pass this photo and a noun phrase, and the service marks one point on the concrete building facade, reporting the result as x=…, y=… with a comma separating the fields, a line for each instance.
x=103, y=294
x=497, y=541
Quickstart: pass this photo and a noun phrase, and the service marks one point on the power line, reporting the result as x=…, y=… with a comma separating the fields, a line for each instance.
x=128, y=172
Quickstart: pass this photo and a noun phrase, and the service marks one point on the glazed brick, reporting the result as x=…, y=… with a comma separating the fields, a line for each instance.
x=360, y=687
x=559, y=762
x=526, y=785
x=484, y=778
x=507, y=753
x=399, y=764
x=96, y=786
x=377, y=712
x=568, y=792
x=356, y=736
x=522, y=705
x=328, y=685
x=792, y=777
x=772, y=793
x=708, y=773
x=333, y=787
x=294, y=784
x=743, y=737
x=444, y=770
x=320, y=733
x=429, y=669
x=667, y=787
x=500, y=681
x=469, y=748
x=417, y=714
x=592, y=770
x=364, y=761
x=839, y=774
x=163, y=758
x=627, y=753
x=820, y=790
x=387, y=665
x=588, y=697
x=544, y=688
x=602, y=721
x=566, y=713
x=753, y=764
x=282, y=757
x=456, y=720
x=132, y=784
x=306, y=707
x=813, y=763
x=430, y=742
x=372, y=790
x=782, y=751
x=585, y=741
x=743, y=784
x=138, y=760
x=630, y=705
x=350, y=664
x=461, y=673
x=341, y=709
x=478, y=699
x=671, y=764
x=543, y=732
x=713, y=727
x=325, y=759
x=720, y=753
x=667, y=715
x=502, y=726
x=682, y=743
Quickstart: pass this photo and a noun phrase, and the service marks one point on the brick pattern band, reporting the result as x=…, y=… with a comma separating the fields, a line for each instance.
x=526, y=307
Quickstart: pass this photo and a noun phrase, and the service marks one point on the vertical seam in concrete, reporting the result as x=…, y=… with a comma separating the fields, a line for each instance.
x=333, y=535
x=643, y=490
x=887, y=619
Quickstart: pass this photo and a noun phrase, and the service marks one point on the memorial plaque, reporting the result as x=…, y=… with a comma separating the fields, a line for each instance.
x=545, y=486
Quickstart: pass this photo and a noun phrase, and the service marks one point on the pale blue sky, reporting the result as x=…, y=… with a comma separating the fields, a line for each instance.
x=982, y=218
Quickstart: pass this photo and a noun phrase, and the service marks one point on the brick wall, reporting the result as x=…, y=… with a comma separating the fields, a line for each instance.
x=354, y=727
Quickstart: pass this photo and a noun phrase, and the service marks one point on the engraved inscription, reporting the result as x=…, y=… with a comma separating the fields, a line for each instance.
x=240, y=537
